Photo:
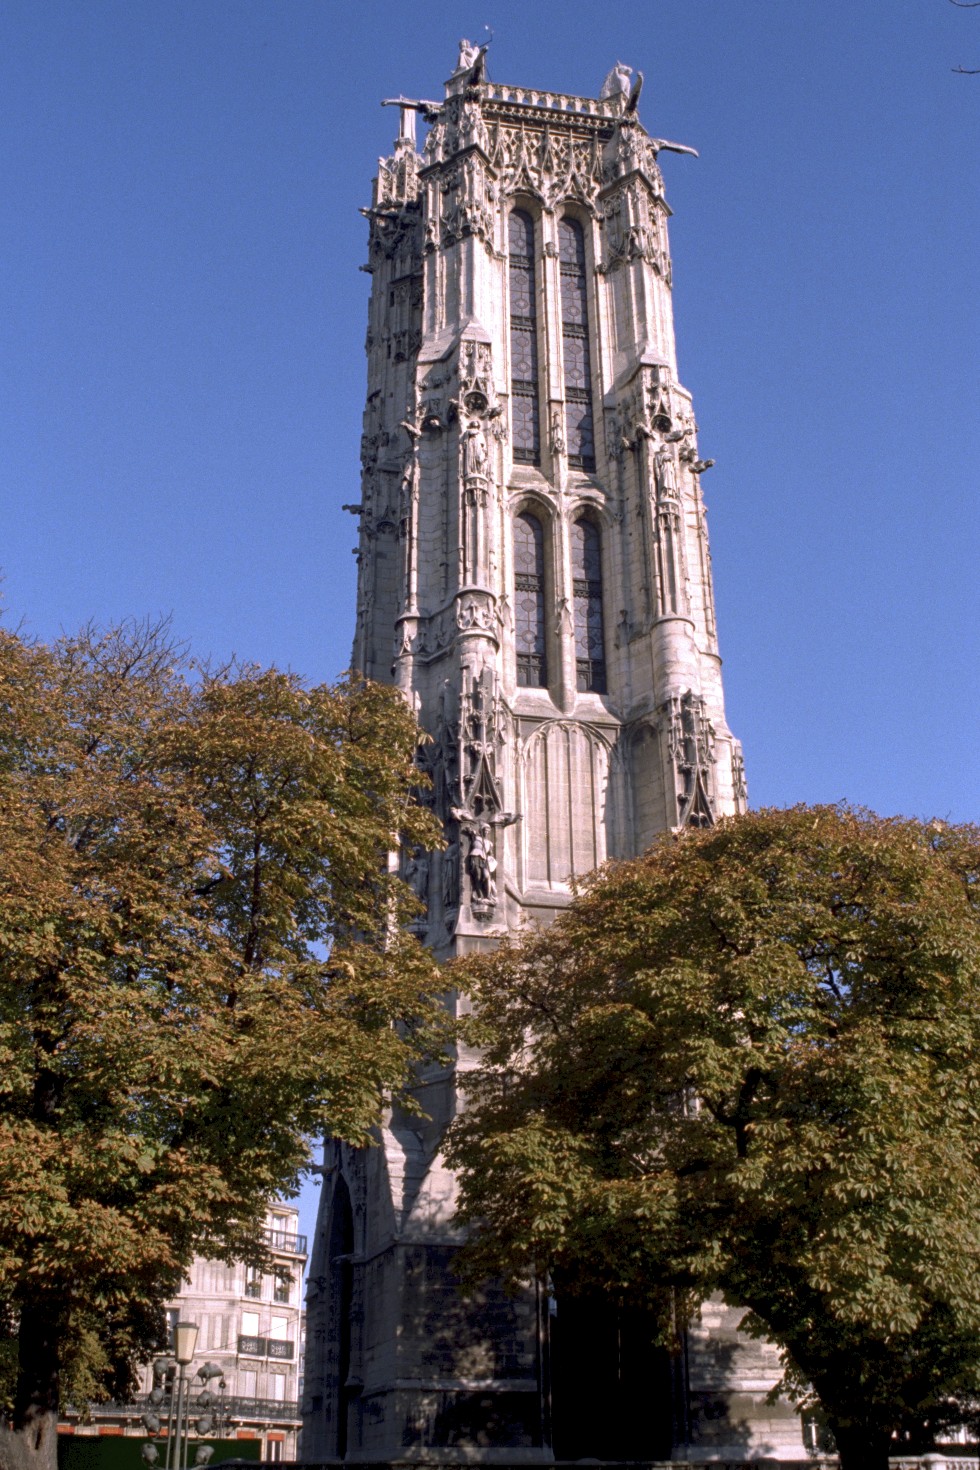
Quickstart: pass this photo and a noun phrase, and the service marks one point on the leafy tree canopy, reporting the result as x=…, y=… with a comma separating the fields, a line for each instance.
x=203, y=965
x=749, y=1063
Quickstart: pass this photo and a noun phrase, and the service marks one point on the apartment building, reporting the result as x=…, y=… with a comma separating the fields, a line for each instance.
x=251, y=1326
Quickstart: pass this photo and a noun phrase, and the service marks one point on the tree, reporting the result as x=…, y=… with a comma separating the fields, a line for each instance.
x=749, y=1063
x=203, y=965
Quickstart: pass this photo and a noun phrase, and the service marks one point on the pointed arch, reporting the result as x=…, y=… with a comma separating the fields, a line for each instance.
x=590, y=647
x=579, y=421
x=524, y=400
x=530, y=627
x=565, y=792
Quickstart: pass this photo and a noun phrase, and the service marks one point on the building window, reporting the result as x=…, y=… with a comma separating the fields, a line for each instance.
x=525, y=416
x=590, y=656
x=529, y=619
x=277, y=1387
x=283, y=1281
x=253, y=1282
x=247, y=1383
x=274, y=1450
x=579, y=431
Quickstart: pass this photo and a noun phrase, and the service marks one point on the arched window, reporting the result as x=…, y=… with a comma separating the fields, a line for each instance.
x=529, y=620
x=525, y=418
x=580, y=435
x=590, y=654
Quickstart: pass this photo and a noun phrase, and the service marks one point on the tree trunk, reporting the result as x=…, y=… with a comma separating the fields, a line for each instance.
x=29, y=1437
x=862, y=1447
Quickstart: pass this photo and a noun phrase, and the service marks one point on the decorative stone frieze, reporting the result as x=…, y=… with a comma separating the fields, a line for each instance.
x=534, y=575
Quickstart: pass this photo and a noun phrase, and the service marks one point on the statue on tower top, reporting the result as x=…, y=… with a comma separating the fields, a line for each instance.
x=618, y=82
x=472, y=59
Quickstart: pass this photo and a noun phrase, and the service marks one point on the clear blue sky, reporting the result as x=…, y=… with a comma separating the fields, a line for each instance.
x=181, y=348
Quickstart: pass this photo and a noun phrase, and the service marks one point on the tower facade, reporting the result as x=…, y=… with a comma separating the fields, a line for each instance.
x=534, y=576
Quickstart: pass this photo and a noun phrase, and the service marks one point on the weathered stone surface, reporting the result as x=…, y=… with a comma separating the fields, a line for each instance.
x=534, y=575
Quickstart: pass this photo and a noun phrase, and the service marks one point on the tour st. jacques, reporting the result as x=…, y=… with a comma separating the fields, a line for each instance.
x=534, y=576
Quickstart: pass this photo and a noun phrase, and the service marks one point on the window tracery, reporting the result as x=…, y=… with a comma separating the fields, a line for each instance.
x=525, y=415
x=590, y=655
x=580, y=432
x=529, y=616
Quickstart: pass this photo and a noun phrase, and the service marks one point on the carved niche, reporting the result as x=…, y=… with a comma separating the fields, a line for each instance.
x=689, y=738
x=568, y=803
x=468, y=196
x=633, y=228
x=464, y=762
x=550, y=167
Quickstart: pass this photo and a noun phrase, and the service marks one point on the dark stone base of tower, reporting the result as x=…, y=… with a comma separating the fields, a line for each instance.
x=534, y=575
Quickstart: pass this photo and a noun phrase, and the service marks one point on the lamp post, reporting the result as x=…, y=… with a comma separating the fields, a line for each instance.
x=171, y=1380
x=185, y=1341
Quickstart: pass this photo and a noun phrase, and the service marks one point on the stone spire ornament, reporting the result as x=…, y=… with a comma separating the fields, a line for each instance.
x=534, y=575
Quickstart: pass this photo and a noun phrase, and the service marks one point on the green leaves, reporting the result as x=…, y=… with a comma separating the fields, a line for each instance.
x=201, y=965
x=752, y=1060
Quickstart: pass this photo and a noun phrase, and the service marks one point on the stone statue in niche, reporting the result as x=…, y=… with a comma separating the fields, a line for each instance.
x=450, y=877
x=416, y=873
x=476, y=455
x=481, y=863
x=666, y=472
x=557, y=432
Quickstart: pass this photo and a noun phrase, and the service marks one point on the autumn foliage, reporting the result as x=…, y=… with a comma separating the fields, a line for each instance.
x=203, y=959
x=749, y=1063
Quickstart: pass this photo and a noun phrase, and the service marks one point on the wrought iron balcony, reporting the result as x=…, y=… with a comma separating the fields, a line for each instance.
x=288, y=1244
x=266, y=1347
x=273, y=1410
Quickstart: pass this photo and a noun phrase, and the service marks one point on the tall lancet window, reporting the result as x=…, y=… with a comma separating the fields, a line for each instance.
x=579, y=432
x=590, y=653
x=529, y=621
x=525, y=416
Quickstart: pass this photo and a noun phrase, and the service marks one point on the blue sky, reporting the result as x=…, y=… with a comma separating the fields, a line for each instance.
x=181, y=350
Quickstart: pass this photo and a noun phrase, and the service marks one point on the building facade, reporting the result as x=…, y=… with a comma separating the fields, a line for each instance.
x=534, y=575
x=251, y=1327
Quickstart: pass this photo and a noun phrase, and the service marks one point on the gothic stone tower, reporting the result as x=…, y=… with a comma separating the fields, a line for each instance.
x=534, y=575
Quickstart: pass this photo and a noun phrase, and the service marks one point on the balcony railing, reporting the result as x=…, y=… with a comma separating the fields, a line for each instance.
x=265, y=1347
x=282, y=1240
x=263, y=1408
x=235, y=1408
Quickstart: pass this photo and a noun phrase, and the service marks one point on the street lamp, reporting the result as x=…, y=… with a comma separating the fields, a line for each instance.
x=185, y=1341
x=170, y=1380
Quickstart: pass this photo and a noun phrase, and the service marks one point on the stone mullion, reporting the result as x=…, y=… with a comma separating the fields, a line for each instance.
x=563, y=680
x=549, y=315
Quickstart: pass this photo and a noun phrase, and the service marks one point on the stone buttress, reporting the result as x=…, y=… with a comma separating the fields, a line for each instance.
x=534, y=576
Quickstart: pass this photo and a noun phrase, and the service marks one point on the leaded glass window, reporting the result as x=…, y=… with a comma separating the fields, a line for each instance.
x=529, y=622
x=525, y=426
x=579, y=431
x=590, y=654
